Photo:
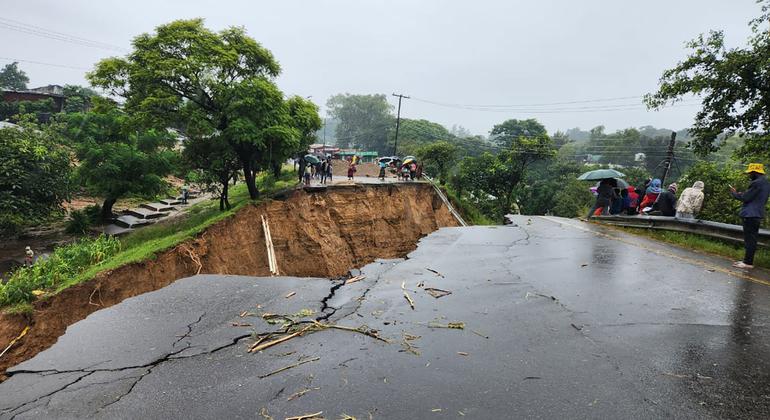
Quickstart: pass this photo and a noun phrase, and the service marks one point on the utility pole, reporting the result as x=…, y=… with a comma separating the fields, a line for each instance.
x=398, y=120
x=669, y=158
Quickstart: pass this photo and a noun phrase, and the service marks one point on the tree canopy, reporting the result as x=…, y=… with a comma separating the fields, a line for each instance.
x=34, y=176
x=115, y=160
x=438, y=157
x=364, y=121
x=185, y=75
x=732, y=84
x=509, y=131
x=12, y=77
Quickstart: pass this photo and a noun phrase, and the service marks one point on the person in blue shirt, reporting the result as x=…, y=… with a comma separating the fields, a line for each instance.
x=753, y=211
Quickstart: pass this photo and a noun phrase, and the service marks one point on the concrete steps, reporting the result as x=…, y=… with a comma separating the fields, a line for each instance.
x=143, y=213
x=131, y=222
x=157, y=207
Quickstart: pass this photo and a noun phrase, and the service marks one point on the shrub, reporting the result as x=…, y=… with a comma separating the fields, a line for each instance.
x=62, y=266
x=78, y=223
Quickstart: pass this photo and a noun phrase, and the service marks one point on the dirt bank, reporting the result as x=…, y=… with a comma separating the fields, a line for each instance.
x=320, y=234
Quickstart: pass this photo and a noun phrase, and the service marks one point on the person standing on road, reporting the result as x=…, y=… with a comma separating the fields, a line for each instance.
x=690, y=202
x=323, y=171
x=753, y=211
x=185, y=193
x=382, y=171
x=302, y=166
x=29, y=256
x=308, y=173
x=604, y=196
x=328, y=170
x=351, y=171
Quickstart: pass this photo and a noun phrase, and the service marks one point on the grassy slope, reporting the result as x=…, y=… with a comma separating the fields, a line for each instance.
x=703, y=244
x=147, y=242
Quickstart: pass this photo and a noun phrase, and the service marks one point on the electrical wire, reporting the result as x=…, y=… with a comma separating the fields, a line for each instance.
x=65, y=66
x=26, y=28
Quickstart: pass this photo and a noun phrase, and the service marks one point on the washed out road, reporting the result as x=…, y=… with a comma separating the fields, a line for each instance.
x=561, y=319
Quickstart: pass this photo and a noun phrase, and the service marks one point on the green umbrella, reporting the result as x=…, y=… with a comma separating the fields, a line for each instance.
x=312, y=159
x=600, y=174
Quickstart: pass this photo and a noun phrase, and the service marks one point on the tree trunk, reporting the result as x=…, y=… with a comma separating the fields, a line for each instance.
x=107, y=208
x=250, y=179
x=277, y=170
x=224, y=202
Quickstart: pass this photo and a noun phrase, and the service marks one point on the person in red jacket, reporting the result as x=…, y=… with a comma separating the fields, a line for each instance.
x=633, y=202
x=652, y=193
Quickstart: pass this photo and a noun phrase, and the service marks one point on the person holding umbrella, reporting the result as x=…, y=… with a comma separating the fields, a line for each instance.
x=605, y=193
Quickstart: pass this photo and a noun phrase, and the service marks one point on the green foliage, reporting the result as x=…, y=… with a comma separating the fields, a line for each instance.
x=13, y=78
x=65, y=263
x=491, y=181
x=34, y=176
x=78, y=98
x=509, y=132
x=363, y=121
x=718, y=205
x=114, y=159
x=185, y=75
x=731, y=83
x=78, y=223
x=551, y=187
x=414, y=134
x=437, y=158
x=14, y=110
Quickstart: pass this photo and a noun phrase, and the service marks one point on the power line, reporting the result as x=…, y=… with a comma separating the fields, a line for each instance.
x=26, y=28
x=535, y=104
x=65, y=66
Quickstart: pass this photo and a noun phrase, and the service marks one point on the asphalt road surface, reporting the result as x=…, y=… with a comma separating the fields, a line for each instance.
x=561, y=319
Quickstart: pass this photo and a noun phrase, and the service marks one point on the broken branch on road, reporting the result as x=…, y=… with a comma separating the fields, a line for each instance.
x=300, y=363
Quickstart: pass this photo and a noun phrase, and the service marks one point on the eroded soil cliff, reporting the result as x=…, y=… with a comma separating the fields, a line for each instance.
x=315, y=234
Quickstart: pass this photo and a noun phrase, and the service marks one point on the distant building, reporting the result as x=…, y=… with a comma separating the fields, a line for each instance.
x=640, y=157
x=54, y=92
x=322, y=149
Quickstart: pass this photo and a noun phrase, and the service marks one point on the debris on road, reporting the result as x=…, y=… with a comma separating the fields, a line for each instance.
x=434, y=272
x=580, y=328
x=300, y=363
x=451, y=325
x=298, y=394
x=406, y=343
x=462, y=353
x=409, y=299
x=306, y=416
x=354, y=279
x=290, y=294
x=437, y=293
x=259, y=345
x=480, y=334
x=241, y=324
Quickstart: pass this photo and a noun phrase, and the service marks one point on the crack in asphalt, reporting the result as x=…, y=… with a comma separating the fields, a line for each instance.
x=189, y=329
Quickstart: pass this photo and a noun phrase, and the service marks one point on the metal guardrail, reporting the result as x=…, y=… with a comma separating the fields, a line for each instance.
x=446, y=201
x=718, y=230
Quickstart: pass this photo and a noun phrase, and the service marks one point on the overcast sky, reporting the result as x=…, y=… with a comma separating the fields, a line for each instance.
x=480, y=52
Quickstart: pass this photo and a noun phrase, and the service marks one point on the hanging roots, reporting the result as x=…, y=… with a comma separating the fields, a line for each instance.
x=194, y=257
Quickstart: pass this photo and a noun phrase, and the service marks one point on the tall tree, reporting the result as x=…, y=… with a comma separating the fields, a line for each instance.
x=13, y=78
x=216, y=164
x=224, y=78
x=364, y=121
x=114, y=159
x=509, y=131
x=733, y=85
x=438, y=157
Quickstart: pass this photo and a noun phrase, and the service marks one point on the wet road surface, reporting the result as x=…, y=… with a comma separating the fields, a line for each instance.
x=561, y=319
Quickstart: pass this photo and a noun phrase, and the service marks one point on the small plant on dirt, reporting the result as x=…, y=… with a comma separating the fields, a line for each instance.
x=78, y=223
x=63, y=265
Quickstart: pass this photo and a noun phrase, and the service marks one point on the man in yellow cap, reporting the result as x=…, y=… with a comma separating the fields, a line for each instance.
x=752, y=211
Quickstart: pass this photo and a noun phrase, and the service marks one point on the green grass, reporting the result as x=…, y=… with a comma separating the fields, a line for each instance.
x=703, y=244
x=470, y=214
x=140, y=245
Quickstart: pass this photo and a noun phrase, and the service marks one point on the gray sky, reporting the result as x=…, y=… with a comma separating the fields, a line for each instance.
x=480, y=52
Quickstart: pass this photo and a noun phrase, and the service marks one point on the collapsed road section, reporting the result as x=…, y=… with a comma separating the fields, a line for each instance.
x=321, y=233
x=544, y=318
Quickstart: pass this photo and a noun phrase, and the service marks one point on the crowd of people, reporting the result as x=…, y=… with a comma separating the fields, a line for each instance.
x=321, y=170
x=648, y=198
